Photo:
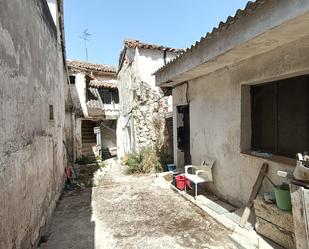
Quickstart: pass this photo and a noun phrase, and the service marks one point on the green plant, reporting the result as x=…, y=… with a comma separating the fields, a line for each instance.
x=85, y=160
x=86, y=173
x=151, y=161
x=133, y=162
x=164, y=156
x=145, y=161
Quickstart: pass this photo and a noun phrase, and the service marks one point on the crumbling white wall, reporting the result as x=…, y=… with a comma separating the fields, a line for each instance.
x=31, y=148
x=219, y=114
x=142, y=107
x=126, y=78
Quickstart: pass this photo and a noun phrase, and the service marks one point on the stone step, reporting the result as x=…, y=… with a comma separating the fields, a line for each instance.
x=88, y=135
x=90, y=151
x=91, y=144
x=88, y=140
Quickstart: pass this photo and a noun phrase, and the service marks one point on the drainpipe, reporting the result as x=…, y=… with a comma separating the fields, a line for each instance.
x=164, y=57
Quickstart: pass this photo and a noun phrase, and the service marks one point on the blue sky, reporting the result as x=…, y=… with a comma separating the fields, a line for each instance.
x=174, y=23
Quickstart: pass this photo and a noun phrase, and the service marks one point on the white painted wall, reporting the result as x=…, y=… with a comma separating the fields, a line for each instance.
x=52, y=4
x=80, y=84
x=148, y=62
x=217, y=123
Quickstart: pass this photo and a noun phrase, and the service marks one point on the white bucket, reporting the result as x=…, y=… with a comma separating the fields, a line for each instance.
x=301, y=172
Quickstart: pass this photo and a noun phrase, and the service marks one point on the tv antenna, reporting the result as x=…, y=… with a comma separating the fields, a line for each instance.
x=85, y=37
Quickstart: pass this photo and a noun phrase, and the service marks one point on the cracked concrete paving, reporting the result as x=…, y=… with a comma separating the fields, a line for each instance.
x=132, y=212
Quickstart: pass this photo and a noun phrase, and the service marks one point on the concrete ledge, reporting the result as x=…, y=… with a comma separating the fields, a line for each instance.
x=275, y=233
x=273, y=214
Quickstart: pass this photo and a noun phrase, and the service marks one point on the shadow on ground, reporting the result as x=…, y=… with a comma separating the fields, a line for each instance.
x=72, y=226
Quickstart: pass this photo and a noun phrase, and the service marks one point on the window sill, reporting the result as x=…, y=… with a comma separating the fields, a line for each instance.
x=274, y=158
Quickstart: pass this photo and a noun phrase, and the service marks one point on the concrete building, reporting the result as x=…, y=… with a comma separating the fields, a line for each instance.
x=32, y=118
x=95, y=108
x=240, y=95
x=142, y=104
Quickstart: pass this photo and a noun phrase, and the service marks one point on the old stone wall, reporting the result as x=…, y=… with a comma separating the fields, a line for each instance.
x=31, y=121
x=148, y=115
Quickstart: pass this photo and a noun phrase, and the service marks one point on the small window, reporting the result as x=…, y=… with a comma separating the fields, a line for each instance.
x=106, y=96
x=280, y=116
x=72, y=79
x=51, y=112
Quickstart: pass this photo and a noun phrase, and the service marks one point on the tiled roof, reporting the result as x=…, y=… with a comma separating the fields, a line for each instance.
x=251, y=6
x=94, y=104
x=103, y=84
x=131, y=43
x=91, y=66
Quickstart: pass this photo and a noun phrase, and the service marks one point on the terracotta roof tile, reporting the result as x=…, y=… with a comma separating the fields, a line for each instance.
x=102, y=84
x=91, y=66
x=131, y=43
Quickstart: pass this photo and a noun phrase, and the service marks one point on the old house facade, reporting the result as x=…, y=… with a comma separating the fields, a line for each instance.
x=143, y=107
x=95, y=100
x=32, y=118
x=241, y=96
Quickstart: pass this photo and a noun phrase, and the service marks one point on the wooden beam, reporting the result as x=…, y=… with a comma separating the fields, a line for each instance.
x=255, y=190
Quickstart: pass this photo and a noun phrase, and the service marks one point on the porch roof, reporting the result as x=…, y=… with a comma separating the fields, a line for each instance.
x=260, y=27
x=103, y=84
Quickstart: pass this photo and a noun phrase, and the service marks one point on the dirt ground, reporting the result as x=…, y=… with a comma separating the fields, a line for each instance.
x=131, y=212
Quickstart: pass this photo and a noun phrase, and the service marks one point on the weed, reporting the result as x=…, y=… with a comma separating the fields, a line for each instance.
x=85, y=160
x=145, y=161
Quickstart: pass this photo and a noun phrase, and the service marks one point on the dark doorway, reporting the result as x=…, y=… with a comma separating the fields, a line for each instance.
x=183, y=133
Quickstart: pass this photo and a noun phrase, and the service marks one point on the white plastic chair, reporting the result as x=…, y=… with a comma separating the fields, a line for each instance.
x=203, y=173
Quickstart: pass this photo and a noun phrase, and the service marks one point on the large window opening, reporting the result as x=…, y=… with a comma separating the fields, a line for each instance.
x=280, y=116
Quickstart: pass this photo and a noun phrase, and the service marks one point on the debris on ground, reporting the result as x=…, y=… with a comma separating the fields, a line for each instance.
x=129, y=211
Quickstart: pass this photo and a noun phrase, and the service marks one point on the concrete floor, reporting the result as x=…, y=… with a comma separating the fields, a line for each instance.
x=131, y=212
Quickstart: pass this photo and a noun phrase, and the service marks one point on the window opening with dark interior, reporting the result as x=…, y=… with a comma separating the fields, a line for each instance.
x=280, y=116
x=72, y=79
x=107, y=96
x=51, y=112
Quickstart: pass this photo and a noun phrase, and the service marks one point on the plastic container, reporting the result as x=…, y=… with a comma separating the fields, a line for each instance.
x=171, y=167
x=283, y=197
x=180, y=182
x=301, y=172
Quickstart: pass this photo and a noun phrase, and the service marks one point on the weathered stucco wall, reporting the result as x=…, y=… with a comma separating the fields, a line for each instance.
x=126, y=78
x=220, y=118
x=31, y=148
x=108, y=134
x=141, y=121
